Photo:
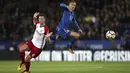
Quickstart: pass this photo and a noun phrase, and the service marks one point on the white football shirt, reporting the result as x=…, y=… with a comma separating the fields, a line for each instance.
x=39, y=38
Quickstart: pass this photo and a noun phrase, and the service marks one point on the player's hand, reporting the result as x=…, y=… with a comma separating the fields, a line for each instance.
x=36, y=14
x=81, y=32
x=49, y=34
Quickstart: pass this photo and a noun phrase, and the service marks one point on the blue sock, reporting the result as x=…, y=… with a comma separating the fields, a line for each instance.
x=73, y=40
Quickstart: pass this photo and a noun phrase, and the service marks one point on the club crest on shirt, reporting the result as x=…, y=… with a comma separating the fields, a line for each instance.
x=70, y=18
x=67, y=31
x=40, y=30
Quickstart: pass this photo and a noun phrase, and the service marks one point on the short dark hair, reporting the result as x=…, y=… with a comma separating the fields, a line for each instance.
x=70, y=1
x=41, y=14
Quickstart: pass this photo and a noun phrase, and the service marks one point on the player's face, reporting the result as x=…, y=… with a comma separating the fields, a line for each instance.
x=41, y=19
x=72, y=6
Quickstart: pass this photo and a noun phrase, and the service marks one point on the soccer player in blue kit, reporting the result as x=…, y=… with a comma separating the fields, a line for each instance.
x=68, y=19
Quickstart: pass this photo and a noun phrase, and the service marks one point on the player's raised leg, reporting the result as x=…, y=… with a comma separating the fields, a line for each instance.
x=27, y=64
x=33, y=54
x=22, y=49
x=75, y=36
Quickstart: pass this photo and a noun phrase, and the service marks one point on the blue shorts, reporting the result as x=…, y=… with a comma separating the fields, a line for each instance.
x=64, y=33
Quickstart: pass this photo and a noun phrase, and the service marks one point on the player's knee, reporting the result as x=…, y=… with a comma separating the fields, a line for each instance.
x=22, y=47
x=77, y=35
x=28, y=58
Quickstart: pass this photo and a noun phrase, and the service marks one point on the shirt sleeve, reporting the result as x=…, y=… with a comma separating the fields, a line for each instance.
x=37, y=22
x=63, y=5
x=46, y=29
x=40, y=30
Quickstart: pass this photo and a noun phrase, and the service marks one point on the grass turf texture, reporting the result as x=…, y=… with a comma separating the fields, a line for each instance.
x=68, y=67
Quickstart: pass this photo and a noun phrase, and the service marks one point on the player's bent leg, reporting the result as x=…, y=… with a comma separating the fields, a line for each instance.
x=33, y=54
x=76, y=36
x=27, y=60
x=22, y=49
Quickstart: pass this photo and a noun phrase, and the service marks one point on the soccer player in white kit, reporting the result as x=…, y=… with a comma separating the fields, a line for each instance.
x=37, y=43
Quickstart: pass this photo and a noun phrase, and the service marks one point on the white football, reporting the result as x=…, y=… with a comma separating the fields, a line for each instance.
x=110, y=34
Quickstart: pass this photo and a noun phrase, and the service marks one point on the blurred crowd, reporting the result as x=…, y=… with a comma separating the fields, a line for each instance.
x=95, y=17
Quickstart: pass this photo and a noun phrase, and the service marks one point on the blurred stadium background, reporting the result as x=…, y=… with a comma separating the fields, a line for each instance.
x=94, y=53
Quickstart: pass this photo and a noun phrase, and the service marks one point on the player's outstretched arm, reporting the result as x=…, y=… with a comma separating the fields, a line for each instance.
x=48, y=35
x=35, y=18
x=76, y=24
x=64, y=5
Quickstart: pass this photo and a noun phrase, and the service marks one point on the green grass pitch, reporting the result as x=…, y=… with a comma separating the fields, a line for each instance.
x=68, y=67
